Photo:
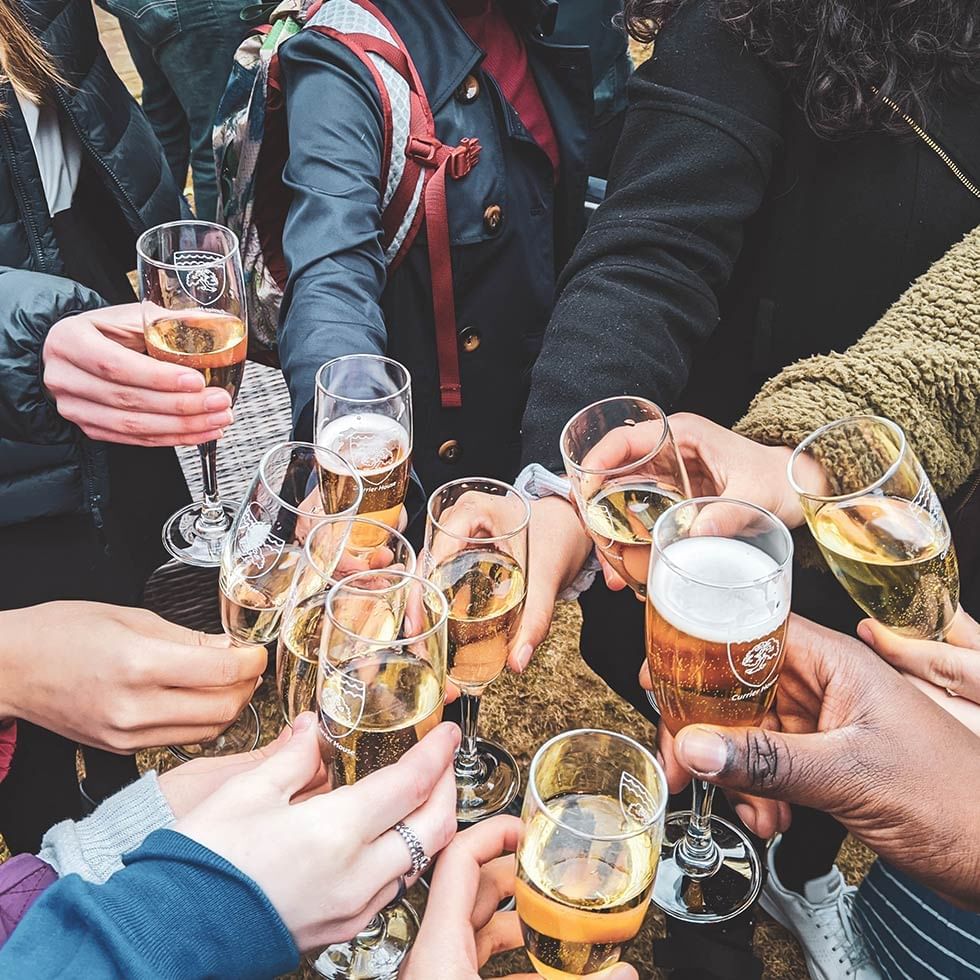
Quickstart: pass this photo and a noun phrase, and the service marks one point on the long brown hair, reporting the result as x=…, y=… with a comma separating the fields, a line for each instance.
x=23, y=62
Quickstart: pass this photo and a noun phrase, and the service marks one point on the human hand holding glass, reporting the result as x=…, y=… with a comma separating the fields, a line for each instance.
x=476, y=553
x=194, y=315
x=718, y=600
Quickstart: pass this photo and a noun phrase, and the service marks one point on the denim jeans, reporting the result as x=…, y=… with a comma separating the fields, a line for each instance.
x=183, y=50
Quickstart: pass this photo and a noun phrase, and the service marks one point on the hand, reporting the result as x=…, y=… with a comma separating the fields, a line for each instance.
x=121, y=679
x=558, y=548
x=193, y=782
x=98, y=373
x=936, y=668
x=328, y=864
x=462, y=928
x=857, y=741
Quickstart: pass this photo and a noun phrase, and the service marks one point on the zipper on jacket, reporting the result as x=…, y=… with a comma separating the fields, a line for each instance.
x=90, y=149
x=25, y=206
x=974, y=484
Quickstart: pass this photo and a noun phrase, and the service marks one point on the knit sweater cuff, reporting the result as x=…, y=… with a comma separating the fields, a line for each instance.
x=92, y=848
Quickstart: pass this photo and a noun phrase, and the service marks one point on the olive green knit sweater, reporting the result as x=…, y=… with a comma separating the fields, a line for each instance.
x=919, y=365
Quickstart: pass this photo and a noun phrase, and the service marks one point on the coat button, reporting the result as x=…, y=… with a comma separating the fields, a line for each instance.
x=469, y=337
x=469, y=89
x=450, y=451
x=493, y=217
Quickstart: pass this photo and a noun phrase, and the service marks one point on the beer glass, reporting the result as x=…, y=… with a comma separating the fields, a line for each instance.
x=331, y=552
x=191, y=296
x=718, y=599
x=364, y=414
x=625, y=471
x=381, y=688
x=879, y=524
x=593, y=826
x=262, y=553
x=476, y=549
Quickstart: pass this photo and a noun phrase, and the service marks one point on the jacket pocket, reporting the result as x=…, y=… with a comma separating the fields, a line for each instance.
x=155, y=21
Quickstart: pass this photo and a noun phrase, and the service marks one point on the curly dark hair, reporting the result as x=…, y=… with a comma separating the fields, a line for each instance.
x=844, y=58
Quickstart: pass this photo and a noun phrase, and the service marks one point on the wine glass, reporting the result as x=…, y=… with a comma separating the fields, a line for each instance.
x=262, y=552
x=593, y=826
x=476, y=549
x=194, y=314
x=380, y=689
x=333, y=550
x=718, y=600
x=625, y=471
x=364, y=414
x=879, y=523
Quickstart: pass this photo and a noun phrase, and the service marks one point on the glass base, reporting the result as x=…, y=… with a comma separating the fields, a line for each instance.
x=194, y=542
x=372, y=955
x=242, y=735
x=493, y=790
x=717, y=897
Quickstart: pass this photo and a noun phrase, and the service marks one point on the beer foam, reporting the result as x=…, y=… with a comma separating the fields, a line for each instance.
x=714, y=608
x=371, y=443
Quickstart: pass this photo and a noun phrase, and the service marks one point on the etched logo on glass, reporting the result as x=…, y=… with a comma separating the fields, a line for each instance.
x=201, y=275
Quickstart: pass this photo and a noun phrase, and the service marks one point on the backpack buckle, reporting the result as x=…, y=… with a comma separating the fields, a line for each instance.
x=430, y=152
x=463, y=158
x=423, y=150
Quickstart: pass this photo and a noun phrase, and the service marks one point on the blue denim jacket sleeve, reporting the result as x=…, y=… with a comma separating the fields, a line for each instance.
x=332, y=236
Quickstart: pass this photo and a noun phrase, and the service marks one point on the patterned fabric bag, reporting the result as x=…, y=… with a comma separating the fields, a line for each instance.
x=251, y=146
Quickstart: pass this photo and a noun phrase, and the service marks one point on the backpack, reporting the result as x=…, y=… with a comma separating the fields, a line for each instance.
x=251, y=146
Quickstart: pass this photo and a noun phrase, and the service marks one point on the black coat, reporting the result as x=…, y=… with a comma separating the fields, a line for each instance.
x=46, y=466
x=339, y=300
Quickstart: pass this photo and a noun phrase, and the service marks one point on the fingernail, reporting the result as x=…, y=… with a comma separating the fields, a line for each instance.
x=190, y=381
x=220, y=420
x=745, y=812
x=215, y=400
x=524, y=655
x=701, y=750
x=864, y=632
x=303, y=721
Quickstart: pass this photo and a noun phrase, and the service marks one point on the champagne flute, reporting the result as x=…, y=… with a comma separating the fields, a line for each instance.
x=718, y=600
x=593, y=826
x=879, y=523
x=625, y=471
x=381, y=688
x=476, y=549
x=364, y=414
x=332, y=552
x=194, y=314
x=261, y=555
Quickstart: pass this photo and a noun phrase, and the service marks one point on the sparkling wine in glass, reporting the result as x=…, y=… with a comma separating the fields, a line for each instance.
x=191, y=295
x=593, y=826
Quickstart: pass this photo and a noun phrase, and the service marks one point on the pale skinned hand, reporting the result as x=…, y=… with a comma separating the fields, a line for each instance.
x=121, y=679
x=936, y=668
x=329, y=863
x=100, y=377
x=853, y=738
x=462, y=928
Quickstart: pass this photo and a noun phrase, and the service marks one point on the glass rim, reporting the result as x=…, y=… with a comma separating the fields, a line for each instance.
x=512, y=490
x=190, y=222
x=614, y=471
x=895, y=428
x=354, y=519
x=778, y=526
x=293, y=508
x=321, y=386
x=618, y=736
x=344, y=583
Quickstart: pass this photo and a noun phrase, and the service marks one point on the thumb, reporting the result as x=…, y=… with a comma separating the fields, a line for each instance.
x=803, y=769
x=539, y=608
x=622, y=971
x=295, y=763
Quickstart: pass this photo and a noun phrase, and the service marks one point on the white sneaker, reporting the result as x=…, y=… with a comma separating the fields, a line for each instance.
x=821, y=920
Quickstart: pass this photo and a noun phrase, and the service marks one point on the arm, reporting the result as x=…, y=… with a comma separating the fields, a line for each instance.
x=919, y=364
x=332, y=236
x=643, y=288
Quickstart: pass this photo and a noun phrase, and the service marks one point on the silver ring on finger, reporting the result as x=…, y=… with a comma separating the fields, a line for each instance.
x=420, y=860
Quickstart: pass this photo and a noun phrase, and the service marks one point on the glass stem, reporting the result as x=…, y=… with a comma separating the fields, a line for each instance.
x=697, y=855
x=212, y=513
x=371, y=932
x=468, y=764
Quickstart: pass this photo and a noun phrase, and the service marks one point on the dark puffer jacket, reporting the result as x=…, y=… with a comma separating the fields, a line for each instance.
x=46, y=466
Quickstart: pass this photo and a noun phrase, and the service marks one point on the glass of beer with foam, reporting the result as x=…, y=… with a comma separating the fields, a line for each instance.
x=718, y=599
x=879, y=524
